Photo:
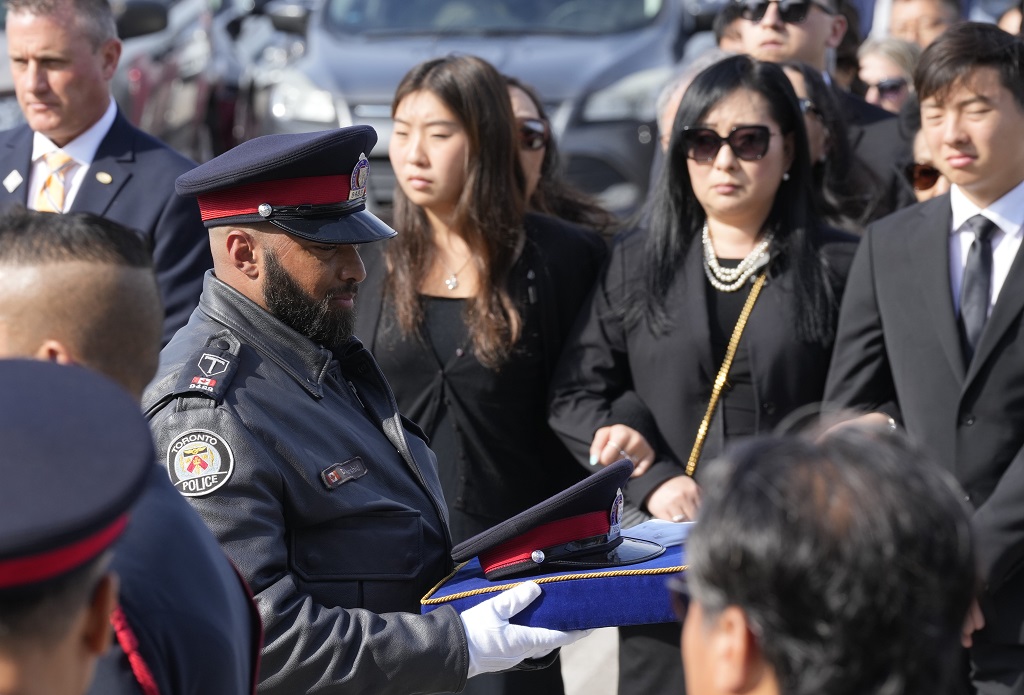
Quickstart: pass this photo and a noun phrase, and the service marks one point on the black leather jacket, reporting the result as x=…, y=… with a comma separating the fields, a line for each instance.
x=323, y=495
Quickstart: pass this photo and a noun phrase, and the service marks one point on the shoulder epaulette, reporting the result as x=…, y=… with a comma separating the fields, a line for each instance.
x=210, y=370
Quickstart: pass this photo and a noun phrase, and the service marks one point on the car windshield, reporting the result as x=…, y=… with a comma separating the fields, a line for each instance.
x=489, y=16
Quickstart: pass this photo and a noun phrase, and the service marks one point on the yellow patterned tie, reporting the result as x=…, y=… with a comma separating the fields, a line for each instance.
x=51, y=195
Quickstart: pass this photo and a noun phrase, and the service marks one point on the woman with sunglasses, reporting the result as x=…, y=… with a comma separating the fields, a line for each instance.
x=921, y=173
x=847, y=192
x=714, y=322
x=467, y=308
x=887, y=70
x=547, y=191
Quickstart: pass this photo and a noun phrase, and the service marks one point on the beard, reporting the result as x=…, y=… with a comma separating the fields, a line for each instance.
x=320, y=321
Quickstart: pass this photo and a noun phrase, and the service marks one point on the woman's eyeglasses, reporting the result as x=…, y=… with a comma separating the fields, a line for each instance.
x=533, y=133
x=749, y=142
x=890, y=88
x=922, y=176
x=790, y=11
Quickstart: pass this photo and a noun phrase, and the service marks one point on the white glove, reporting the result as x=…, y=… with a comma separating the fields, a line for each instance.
x=495, y=644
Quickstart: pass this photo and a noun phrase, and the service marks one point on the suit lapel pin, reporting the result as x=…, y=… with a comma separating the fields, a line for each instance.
x=12, y=181
x=103, y=177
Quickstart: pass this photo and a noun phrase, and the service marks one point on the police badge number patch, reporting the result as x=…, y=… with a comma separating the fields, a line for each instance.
x=199, y=462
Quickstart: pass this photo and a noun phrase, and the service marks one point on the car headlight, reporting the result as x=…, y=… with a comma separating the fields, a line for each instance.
x=294, y=98
x=631, y=98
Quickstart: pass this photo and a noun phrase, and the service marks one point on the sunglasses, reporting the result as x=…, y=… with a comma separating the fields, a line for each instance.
x=679, y=594
x=922, y=176
x=790, y=11
x=888, y=89
x=533, y=133
x=749, y=142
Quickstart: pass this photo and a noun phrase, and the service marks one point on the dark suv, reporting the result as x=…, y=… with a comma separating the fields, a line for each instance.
x=597, y=64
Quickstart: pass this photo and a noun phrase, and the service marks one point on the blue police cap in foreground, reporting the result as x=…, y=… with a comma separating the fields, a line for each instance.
x=312, y=185
x=75, y=452
x=593, y=573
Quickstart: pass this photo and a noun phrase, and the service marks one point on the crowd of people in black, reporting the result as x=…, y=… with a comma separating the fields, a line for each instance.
x=338, y=405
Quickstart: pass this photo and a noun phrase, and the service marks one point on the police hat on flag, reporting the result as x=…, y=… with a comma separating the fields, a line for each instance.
x=75, y=456
x=312, y=185
x=594, y=574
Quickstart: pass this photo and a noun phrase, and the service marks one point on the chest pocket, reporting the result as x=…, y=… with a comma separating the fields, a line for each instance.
x=383, y=546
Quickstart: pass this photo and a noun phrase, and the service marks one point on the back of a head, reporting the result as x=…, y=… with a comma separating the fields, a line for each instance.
x=93, y=288
x=964, y=48
x=851, y=558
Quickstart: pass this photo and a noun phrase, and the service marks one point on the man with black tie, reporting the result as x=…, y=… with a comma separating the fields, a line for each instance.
x=930, y=327
x=78, y=153
x=808, y=31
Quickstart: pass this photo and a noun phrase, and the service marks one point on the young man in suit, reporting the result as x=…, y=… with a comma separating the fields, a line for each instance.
x=930, y=328
x=808, y=31
x=78, y=153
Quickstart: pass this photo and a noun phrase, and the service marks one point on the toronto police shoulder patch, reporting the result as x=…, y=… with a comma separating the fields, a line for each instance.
x=199, y=462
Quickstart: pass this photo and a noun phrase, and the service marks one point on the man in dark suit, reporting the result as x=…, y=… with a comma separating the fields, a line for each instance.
x=809, y=31
x=78, y=153
x=930, y=328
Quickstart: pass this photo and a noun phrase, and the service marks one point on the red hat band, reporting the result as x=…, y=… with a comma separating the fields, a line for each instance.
x=247, y=198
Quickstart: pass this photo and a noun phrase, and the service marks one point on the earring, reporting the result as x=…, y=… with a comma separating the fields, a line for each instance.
x=785, y=176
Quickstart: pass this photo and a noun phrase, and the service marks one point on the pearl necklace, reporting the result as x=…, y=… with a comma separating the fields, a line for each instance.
x=731, y=279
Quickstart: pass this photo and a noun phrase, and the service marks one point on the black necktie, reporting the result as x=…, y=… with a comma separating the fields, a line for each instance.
x=976, y=290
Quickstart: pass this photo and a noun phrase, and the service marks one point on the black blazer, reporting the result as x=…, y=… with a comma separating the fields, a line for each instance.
x=660, y=384
x=140, y=195
x=898, y=350
x=875, y=137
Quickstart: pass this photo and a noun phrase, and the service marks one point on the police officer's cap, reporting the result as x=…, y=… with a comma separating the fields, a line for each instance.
x=577, y=528
x=312, y=185
x=75, y=452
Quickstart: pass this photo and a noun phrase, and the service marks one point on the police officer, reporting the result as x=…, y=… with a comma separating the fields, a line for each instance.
x=278, y=426
x=70, y=477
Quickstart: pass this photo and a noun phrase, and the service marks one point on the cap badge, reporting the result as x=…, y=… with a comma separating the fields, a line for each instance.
x=615, y=517
x=199, y=462
x=361, y=172
x=265, y=210
x=537, y=556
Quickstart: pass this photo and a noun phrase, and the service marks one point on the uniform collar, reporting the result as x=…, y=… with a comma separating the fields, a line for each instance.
x=296, y=354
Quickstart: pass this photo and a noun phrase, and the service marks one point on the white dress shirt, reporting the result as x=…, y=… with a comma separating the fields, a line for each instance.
x=1008, y=215
x=82, y=149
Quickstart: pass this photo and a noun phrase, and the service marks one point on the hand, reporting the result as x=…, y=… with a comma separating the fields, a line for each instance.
x=676, y=499
x=618, y=442
x=495, y=644
x=972, y=623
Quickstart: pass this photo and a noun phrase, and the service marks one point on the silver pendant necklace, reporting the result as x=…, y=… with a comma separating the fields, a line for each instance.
x=452, y=281
x=731, y=279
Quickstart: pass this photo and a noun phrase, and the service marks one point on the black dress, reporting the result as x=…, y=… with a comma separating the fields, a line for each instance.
x=496, y=454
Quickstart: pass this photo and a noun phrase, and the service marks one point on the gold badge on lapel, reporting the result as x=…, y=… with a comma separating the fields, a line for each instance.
x=103, y=177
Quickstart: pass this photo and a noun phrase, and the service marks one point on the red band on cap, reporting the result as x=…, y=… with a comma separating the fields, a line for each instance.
x=33, y=569
x=520, y=548
x=245, y=199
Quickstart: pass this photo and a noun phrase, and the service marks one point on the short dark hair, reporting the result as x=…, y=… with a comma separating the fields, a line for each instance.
x=118, y=336
x=851, y=558
x=726, y=15
x=963, y=48
x=42, y=613
x=32, y=237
